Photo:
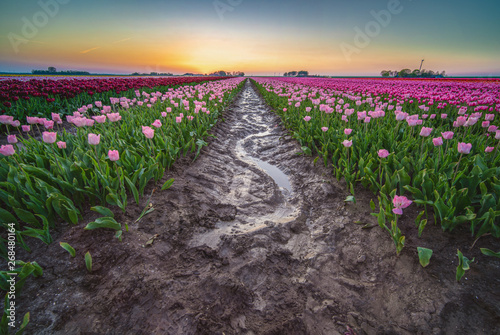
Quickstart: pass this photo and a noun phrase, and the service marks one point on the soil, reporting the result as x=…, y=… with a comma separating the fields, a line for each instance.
x=253, y=238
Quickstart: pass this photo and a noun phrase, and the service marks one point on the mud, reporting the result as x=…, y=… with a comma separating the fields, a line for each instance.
x=255, y=239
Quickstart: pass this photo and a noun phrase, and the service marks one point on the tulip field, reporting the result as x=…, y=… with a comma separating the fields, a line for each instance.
x=84, y=151
x=118, y=144
x=430, y=144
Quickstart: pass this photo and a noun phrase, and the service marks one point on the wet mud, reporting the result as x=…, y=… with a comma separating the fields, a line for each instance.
x=253, y=238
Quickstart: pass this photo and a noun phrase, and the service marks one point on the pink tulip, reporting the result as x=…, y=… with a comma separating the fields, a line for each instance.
x=444, y=116
x=148, y=132
x=49, y=137
x=48, y=124
x=383, y=153
x=308, y=109
x=169, y=109
x=367, y=119
x=489, y=149
x=448, y=135
x=178, y=119
x=347, y=131
x=425, y=131
x=15, y=123
x=106, y=109
x=164, y=114
x=99, y=118
x=94, y=139
x=6, y=119
x=284, y=109
x=489, y=117
x=324, y=129
x=307, y=118
x=437, y=141
x=61, y=145
x=400, y=202
x=156, y=124
x=56, y=118
x=7, y=150
x=113, y=155
x=347, y=143
x=32, y=120
x=89, y=122
x=25, y=128
x=12, y=139
x=464, y=148
x=98, y=104
x=497, y=135
x=79, y=121
x=114, y=117
x=492, y=129
x=190, y=117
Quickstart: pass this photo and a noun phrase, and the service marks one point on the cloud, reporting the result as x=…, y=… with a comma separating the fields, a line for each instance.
x=89, y=50
x=125, y=39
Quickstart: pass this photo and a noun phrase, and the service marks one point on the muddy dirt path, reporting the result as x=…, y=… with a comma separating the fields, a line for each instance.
x=254, y=239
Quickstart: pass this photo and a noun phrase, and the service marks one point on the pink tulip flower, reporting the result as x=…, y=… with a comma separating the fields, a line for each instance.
x=99, y=118
x=94, y=139
x=347, y=131
x=49, y=137
x=163, y=114
x=399, y=203
x=148, y=132
x=383, y=153
x=12, y=139
x=489, y=149
x=114, y=117
x=324, y=129
x=307, y=118
x=156, y=124
x=464, y=148
x=61, y=145
x=7, y=150
x=25, y=128
x=438, y=141
x=347, y=143
x=448, y=135
x=425, y=131
x=113, y=155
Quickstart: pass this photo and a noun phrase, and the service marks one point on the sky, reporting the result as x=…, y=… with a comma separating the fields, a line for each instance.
x=258, y=37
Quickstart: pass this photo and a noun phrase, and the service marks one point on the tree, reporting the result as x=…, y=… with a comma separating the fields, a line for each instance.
x=385, y=73
x=302, y=73
x=404, y=73
x=52, y=69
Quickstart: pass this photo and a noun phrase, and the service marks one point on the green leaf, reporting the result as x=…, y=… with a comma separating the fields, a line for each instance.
x=103, y=211
x=372, y=205
x=350, y=199
x=424, y=256
x=119, y=234
x=68, y=248
x=26, y=216
x=133, y=189
x=104, y=222
x=167, y=184
x=421, y=227
x=463, y=265
x=88, y=261
x=26, y=320
x=6, y=217
x=489, y=252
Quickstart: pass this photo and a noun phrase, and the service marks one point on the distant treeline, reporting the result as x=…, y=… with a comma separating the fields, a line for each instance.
x=52, y=70
x=296, y=74
x=407, y=73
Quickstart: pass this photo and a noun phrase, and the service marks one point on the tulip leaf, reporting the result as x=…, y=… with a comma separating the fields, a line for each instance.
x=424, y=256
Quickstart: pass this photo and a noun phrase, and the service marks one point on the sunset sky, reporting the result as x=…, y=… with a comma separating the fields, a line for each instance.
x=258, y=37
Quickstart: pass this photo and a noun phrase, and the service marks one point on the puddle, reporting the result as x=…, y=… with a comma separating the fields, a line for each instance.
x=279, y=177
